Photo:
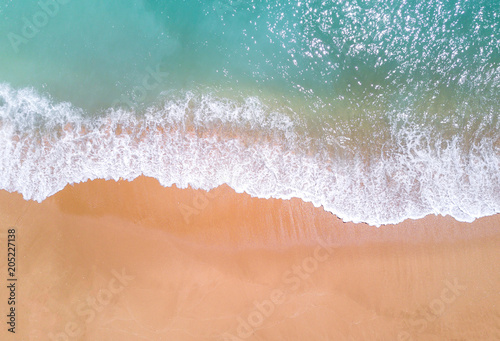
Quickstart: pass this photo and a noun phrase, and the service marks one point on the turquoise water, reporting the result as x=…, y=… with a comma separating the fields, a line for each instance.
x=377, y=110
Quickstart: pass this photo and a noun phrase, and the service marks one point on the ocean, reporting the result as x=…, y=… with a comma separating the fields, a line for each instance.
x=378, y=111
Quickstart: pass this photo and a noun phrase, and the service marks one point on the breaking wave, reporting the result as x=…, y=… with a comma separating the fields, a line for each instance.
x=204, y=141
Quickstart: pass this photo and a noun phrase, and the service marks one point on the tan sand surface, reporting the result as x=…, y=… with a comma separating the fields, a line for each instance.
x=107, y=260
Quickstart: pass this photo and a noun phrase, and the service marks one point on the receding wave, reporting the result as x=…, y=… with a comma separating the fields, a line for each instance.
x=205, y=141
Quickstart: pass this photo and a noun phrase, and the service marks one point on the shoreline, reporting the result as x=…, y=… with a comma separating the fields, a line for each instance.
x=191, y=207
x=206, y=142
x=122, y=260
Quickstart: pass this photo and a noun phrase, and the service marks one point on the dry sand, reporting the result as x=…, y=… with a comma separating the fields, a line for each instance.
x=109, y=260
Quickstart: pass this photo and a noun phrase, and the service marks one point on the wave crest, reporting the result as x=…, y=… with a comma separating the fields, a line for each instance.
x=204, y=142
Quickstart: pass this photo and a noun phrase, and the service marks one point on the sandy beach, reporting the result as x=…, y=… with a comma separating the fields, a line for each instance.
x=107, y=260
x=352, y=149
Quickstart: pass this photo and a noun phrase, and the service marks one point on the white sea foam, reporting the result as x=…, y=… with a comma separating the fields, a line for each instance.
x=45, y=145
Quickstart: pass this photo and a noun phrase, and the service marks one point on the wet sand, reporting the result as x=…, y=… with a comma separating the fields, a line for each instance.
x=107, y=260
